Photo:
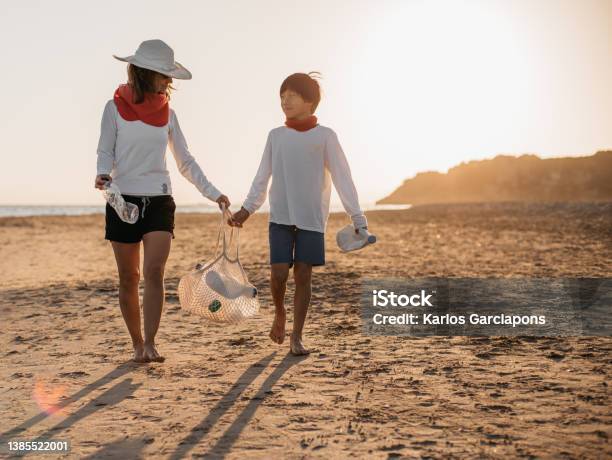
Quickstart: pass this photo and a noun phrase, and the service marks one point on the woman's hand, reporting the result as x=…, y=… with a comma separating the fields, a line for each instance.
x=102, y=179
x=223, y=201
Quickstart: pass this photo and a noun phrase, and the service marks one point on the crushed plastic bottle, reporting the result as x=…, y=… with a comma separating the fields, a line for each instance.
x=127, y=212
x=349, y=240
x=229, y=287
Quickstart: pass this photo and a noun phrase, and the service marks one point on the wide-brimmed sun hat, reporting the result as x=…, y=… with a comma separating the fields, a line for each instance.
x=158, y=56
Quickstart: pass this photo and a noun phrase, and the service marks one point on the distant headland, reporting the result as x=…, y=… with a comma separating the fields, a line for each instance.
x=508, y=178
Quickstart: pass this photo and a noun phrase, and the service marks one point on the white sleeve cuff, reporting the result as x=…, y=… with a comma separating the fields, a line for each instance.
x=359, y=221
x=249, y=208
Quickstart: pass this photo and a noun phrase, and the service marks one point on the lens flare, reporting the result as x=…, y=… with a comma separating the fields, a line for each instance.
x=49, y=397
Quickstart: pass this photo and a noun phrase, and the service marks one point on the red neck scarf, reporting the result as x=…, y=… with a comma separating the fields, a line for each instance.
x=302, y=125
x=154, y=110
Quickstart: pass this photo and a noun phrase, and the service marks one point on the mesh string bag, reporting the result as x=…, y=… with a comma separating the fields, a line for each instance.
x=219, y=289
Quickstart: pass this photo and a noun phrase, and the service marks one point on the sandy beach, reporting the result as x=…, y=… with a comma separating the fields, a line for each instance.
x=229, y=392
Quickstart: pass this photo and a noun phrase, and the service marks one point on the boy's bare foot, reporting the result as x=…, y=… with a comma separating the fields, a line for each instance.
x=151, y=354
x=297, y=347
x=139, y=353
x=277, y=333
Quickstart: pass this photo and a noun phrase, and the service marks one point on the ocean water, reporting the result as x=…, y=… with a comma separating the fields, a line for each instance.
x=71, y=210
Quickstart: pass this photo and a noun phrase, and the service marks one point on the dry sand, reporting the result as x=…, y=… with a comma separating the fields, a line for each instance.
x=228, y=391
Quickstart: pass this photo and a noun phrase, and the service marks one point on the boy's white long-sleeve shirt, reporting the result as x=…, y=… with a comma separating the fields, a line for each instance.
x=134, y=154
x=303, y=164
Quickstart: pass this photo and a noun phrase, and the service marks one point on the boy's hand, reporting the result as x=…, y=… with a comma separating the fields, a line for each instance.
x=239, y=218
x=223, y=200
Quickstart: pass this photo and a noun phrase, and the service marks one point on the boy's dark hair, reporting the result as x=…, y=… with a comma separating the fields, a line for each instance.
x=305, y=85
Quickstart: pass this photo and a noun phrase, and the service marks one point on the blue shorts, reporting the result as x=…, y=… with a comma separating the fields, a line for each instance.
x=289, y=244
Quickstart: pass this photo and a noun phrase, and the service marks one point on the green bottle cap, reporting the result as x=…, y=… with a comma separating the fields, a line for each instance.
x=215, y=306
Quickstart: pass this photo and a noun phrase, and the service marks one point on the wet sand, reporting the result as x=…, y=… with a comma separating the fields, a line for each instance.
x=228, y=391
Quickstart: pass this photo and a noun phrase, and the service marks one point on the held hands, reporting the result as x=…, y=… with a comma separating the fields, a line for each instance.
x=239, y=218
x=224, y=204
x=102, y=179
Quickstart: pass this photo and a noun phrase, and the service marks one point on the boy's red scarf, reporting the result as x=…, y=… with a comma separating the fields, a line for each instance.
x=154, y=110
x=302, y=125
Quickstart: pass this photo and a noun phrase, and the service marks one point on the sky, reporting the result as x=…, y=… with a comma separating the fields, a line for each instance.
x=408, y=86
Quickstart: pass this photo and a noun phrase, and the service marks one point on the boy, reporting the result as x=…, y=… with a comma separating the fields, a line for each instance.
x=300, y=157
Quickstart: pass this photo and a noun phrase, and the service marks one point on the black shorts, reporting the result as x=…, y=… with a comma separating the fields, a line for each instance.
x=156, y=213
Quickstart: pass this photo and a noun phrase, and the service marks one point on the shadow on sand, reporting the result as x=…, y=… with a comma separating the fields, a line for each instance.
x=126, y=387
x=225, y=442
x=110, y=397
x=122, y=449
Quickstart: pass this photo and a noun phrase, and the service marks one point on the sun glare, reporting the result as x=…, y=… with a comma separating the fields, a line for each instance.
x=444, y=83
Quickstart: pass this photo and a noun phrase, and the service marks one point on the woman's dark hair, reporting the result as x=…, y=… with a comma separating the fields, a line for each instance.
x=142, y=81
x=305, y=85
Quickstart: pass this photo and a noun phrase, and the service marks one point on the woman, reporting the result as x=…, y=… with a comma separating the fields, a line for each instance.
x=137, y=126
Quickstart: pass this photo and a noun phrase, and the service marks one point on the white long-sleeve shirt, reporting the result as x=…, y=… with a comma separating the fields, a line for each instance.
x=303, y=164
x=134, y=154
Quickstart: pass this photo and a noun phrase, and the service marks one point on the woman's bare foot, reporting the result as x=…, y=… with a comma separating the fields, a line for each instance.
x=277, y=333
x=297, y=347
x=139, y=353
x=151, y=354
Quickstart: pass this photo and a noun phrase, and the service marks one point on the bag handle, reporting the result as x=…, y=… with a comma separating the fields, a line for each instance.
x=226, y=214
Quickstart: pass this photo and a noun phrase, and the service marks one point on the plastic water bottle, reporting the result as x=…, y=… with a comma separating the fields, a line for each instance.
x=350, y=240
x=229, y=287
x=127, y=212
